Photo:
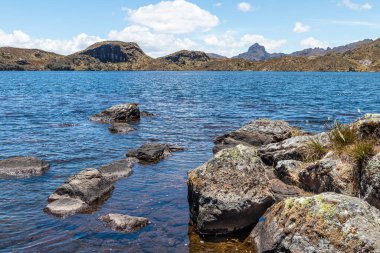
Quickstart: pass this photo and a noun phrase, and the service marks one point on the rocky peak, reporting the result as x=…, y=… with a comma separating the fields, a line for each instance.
x=114, y=51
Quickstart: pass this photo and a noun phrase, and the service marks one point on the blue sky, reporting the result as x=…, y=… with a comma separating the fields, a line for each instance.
x=222, y=26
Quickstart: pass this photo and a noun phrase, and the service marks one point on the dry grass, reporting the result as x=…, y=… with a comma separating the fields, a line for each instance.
x=315, y=151
x=361, y=151
x=342, y=136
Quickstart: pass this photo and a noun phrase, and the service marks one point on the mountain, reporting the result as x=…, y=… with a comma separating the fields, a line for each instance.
x=216, y=56
x=257, y=52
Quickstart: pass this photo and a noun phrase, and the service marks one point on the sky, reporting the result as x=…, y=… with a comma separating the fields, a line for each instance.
x=226, y=27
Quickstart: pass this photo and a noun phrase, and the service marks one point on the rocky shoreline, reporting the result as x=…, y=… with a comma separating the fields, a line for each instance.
x=293, y=191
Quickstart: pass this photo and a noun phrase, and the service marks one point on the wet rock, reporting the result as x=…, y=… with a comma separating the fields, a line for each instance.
x=124, y=223
x=122, y=113
x=331, y=174
x=147, y=114
x=370, y=182
x=290, y=149
x=287, y=171
x=369, y=127
x=256, y=133
x=87, y=186
x=118, y=169
x=328, y=222
x=22, y=166
x=153, y=152
x=283, y=191
x=120, y=128
x=230, y=192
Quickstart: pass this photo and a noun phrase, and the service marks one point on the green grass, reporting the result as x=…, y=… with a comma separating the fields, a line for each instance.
x=361, y=151
x=342, y=136
x=315, y=151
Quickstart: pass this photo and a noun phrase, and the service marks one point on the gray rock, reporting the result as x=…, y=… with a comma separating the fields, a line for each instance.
x=118, y=169
x=256, y=133
x=124, y=223
x=369, y=127
x=290, y=149
x=328, y=222
x=282, y=191
x=22, y=166
x=153, y=152
x=147, y=114
x=120, y=128
x=230, y=192
x=287, y=171
x=87, y=186
x=122, y=113
x=370, y=182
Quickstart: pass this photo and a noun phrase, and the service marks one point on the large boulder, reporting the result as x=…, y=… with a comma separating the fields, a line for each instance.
x=369, y=126
x=22, y=166
x=256, y=133
x=370, y=182
x=118, y=169
x=153, y=152
x=78, y=192
x=294, y=148
x=124, y=223
x=122, y=113
x=230, y=192
x=328, y=222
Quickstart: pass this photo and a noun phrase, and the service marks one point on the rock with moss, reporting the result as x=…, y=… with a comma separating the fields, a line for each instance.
x=294, y=148
x=230, y=192
x=256, y=133
x=369, y=127
x=370, y=182
x=122, y=113
x=328, y=222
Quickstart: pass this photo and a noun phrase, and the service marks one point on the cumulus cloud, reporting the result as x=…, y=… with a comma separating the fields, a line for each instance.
x=244, y=6
x=176, y=17
x=312, y=42
x=355, y=6
x=301, y=28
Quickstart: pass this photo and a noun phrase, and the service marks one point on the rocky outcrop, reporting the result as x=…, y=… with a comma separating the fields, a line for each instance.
x=22, y=166
x=369, y=127
x=256, y=52
x=153, y=152
x=122, y=113
x=230, y=192
x=256, y=133
x=370, y=182
x=290, y=149
x=120, y=128
x=79, y=192
x=328, y=222
x=124, y=223
x=118, y=169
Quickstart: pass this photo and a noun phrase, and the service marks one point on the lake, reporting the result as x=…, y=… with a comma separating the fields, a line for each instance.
x=45, y=114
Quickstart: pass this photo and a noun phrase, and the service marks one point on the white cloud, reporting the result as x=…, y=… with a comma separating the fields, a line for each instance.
x=311, y=42
x=219, y=4
x=301, y=28
x=244, y=6
x=355, y=6
x=176, y=17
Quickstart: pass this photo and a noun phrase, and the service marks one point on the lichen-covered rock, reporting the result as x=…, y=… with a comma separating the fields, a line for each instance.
x=22, y=166
x=118, y=169
x=370, y=182
x=122, y=113
x=124, y=223
x=290, y=149
x=153, y=152
x=369, y=126
x=287, y=171
x=330, y=174
x=120, y=128
x=328, y=222
x=256, y=133
x=229, y=192
x=87, y=186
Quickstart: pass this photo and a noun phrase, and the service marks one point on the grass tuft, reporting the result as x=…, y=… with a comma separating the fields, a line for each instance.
x=361, y=151
x=342, y=136
x=315, y=151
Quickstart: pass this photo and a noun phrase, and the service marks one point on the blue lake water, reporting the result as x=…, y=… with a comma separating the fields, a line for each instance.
x=192, y=108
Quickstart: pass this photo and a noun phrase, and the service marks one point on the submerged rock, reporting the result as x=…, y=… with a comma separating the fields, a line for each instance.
x=153, y=152
x=256, y=133
x=124, y=223
x=328, y=222
x=122, y=113
x=147, y=114
x=369, y=126
x=22, y=166
x=120, y=128
x=230, y=192
x=370, y=182
x=87, y=186
x=118, y=169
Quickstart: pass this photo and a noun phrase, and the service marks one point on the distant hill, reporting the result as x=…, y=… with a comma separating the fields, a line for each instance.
x=216, y=56
x=118, y=55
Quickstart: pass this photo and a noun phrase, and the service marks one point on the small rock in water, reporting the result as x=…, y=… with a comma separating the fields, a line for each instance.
x=147, y=114
x=66, y=206
x=122, y=113
x=118, y=169
x=124, y=223
x=22, y=166
x=153, y=152
x=120, y=128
